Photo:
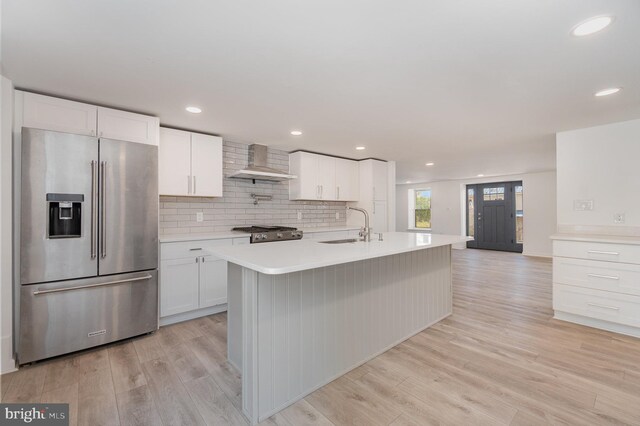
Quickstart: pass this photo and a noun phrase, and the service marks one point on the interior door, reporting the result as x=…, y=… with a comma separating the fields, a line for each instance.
x=57, y=171
x=128, y=222
x=491, y=216
x=206, y=165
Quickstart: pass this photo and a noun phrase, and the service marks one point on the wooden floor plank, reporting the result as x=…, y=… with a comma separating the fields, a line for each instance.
x=172, y=400
x=125, y=368
x=64, y=395
x=97, y=399
x=213, y=404
x=136, y=407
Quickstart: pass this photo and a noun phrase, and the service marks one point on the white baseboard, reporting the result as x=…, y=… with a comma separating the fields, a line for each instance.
x=547, y=256
x=596, y=323
x=7, y=363
x=186, y=316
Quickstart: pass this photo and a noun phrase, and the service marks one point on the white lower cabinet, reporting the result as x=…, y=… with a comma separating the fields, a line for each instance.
x=213, y=281
x=193, y=282
x=180, y=286
x=597, y=283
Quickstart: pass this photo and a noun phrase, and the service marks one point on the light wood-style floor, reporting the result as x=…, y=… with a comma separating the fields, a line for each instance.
x=499, y=359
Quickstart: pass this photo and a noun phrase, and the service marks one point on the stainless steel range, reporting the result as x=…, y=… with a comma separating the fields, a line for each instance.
x=267, y=234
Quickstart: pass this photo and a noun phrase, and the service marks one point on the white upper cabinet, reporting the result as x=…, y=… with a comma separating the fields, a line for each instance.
x=60, y=115
x=322, y=177
x=326, y=177
x=127, y=126
x=347, y=179
x=189, y=164
x=174, y=162
x=206, y=165
x=374, y=177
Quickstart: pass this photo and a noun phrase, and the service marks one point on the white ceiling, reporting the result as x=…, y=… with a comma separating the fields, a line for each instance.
x=475, y=86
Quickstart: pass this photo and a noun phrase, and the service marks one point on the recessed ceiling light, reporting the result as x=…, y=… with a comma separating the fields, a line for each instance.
x=430, y=164
x=360, y=148
x=606, y=92
x=592, y=25
x=480, y=175
x=194, y=110
x=296, y=132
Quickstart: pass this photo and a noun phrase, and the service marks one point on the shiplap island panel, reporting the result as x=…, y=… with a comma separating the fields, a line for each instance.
x=298, y=322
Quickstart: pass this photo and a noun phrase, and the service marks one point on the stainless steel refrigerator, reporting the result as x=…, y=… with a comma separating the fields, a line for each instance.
x=88, y=242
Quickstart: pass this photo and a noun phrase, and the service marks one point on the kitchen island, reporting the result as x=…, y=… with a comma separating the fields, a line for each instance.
x=302, y=313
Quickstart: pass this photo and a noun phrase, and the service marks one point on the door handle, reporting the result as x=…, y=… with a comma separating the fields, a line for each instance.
x=188, y=184
x=94, y=208
x=103, y=219
x=608, y=277
x=194, y=184
x=79, y=287
x=596, y=305
x=612, y=253
x=337, y=192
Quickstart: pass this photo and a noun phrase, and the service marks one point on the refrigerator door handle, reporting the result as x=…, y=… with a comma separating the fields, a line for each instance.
x=94, y=208
x=57, y=290
x=103, y=208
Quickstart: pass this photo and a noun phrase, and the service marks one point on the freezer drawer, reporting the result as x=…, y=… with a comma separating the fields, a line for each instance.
x=62, y=317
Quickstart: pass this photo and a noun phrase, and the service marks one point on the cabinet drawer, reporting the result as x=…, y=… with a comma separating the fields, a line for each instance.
x=608, y=276
x=191, y=248
x=614, y=307
x=624, y=253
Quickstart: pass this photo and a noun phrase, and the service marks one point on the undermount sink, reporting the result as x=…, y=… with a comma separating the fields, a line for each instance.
x=349, y=240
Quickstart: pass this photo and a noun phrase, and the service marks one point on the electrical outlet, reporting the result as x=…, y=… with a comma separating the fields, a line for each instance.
x=199, y=217
x=618, y=218
x=583, y=205
x=299, y=215
x=337, y=215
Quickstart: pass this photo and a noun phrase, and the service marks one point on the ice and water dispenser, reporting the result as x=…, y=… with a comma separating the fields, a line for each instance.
x=65, y=215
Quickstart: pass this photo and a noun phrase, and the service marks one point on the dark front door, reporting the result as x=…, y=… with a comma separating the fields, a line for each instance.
x=493, y=210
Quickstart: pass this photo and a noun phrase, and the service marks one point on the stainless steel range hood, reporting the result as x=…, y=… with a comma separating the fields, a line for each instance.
x=258, y=169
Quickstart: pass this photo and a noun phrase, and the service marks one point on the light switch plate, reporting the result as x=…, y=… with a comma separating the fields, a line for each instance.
x=199, y=217
x=618, y=218
x=582, y=205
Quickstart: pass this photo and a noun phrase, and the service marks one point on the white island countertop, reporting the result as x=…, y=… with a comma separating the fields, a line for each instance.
x=291, y=256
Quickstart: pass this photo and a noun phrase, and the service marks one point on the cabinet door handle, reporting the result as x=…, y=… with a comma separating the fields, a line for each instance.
x=188, y=184
x=194, y=184
x=195, y=249
x=611, y=253
x=197, y=260
x=608, y=277
x=596, y=305
x=337, y=192
x=203, y=260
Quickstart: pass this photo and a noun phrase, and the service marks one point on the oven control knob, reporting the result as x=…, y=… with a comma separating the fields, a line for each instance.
x=258, y=237
x=263, y=236
x=279, y=235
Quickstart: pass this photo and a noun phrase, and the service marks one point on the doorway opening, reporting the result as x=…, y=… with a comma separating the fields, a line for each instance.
x=495, y=216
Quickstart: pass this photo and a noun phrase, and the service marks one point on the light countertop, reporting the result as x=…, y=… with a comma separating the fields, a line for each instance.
x=291, y=256
x=612, y=239
x=199, y=236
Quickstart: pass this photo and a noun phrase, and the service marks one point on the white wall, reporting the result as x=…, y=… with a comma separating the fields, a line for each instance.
x=599, y=164
x=6, y=287
x=448, y=212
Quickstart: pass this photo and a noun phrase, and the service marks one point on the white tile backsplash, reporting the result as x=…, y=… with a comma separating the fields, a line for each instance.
x=236, y=208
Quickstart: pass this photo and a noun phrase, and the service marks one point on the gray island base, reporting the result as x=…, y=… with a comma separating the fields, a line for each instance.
x=291, y=333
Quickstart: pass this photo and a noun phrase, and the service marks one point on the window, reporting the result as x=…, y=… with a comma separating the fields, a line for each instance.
x=493, y=194
x=470, y=212
x=519, y=214
x=421, y=201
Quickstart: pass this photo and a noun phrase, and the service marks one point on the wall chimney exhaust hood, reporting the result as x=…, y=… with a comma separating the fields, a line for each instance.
x=258, y=169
